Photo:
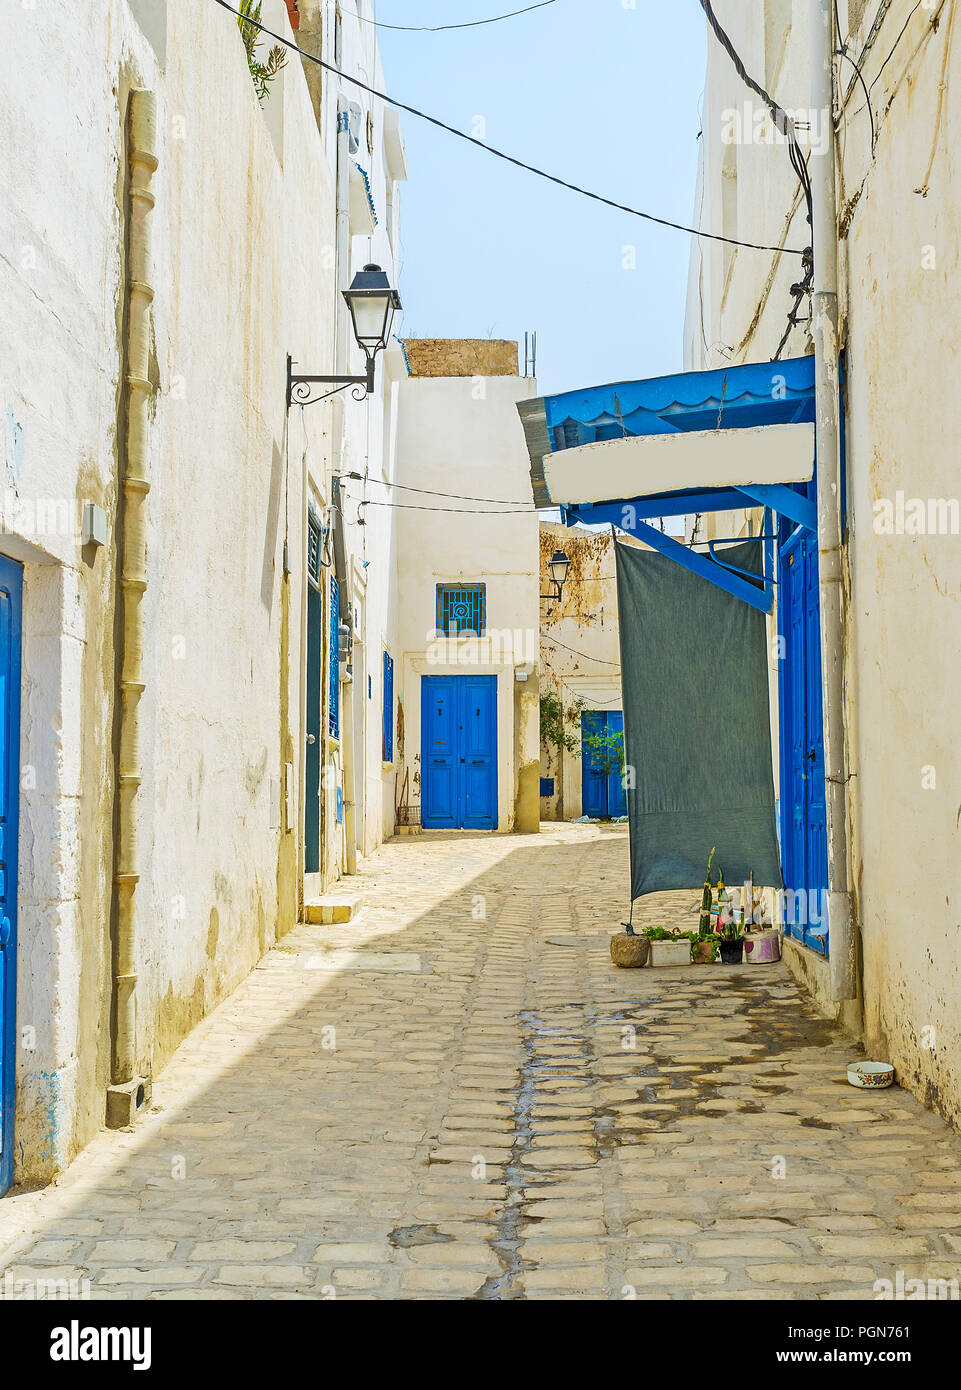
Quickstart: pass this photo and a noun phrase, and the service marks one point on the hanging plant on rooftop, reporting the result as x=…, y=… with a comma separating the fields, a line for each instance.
x=262, y=74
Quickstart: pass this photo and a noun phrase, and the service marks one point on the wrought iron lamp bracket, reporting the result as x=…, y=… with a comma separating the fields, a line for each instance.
x=301, y=390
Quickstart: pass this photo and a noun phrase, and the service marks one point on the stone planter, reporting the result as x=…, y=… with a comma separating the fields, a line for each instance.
x=630, y=952
x=670, y=952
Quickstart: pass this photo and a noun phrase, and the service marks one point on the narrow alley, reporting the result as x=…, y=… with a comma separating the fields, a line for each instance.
x=456, y=1095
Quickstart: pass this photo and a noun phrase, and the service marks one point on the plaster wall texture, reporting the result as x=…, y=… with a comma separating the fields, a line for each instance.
x=900, y=299
x=580, y=652
x=243, y=231
x=463, y=436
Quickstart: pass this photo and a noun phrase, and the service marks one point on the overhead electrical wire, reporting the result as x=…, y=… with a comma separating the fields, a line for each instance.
x=502, y=154
x=785, y=124
x=429, y=492
x=460, y=511
x=600, y=660
x=467, y=24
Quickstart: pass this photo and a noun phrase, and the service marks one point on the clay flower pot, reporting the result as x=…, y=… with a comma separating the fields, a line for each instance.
x=704, y=952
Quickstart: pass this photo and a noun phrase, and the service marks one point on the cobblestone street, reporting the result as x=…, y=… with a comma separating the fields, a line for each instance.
x=456, y=1095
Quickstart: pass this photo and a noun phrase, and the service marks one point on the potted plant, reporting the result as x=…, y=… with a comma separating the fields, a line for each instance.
x=668, y=947
x=704, y=947
x=731, y=931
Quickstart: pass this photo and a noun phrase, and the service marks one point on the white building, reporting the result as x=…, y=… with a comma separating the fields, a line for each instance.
x=466, y=658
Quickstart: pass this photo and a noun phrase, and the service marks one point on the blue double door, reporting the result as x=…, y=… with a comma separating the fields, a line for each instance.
x=11, y=588
x=459, y=752
x=602, y=785
x=803, y=806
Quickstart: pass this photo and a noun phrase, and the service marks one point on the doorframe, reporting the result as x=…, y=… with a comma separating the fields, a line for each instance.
x=11, y=582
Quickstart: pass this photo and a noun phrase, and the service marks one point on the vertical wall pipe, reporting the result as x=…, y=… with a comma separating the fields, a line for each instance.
x=824, y=309
x=138, y=392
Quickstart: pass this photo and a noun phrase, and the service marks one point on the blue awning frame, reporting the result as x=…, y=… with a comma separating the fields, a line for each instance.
x=736, y=397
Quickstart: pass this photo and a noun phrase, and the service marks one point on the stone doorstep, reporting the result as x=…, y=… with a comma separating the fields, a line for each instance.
x=331, y=908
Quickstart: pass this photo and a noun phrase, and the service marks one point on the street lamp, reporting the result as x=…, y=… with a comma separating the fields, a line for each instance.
x=372, y=303
x=558, y=566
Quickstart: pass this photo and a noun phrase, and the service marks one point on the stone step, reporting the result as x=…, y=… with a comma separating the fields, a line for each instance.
x=331, y=908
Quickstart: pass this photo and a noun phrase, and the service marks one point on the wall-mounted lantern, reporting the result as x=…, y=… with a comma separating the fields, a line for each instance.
x=558, y=566
x=372, y=303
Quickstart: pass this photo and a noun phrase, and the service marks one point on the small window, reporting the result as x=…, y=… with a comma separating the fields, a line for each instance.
x=388, y=708
x=461, y=608
x=334, y=658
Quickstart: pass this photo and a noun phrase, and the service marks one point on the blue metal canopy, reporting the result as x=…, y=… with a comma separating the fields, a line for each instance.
x=736, y=397
x=759, y=393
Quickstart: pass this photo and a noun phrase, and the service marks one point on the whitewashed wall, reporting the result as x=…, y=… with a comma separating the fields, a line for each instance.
x=898, y=209
x=243, y=229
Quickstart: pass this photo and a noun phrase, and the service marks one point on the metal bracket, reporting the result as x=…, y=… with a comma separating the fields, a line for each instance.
x=300, y=388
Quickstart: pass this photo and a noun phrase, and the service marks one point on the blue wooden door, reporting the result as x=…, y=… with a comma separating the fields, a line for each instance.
x=803, y=811
x=459, y=752
x=11, y=586
x=616, y=795
x=602, y=787
x=478, y=736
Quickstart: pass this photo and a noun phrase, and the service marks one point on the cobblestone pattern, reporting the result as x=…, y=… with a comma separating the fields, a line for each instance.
x=495, y=1115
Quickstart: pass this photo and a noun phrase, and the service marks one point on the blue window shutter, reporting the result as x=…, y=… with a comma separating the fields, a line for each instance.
x=334, y=659
x=388, y=708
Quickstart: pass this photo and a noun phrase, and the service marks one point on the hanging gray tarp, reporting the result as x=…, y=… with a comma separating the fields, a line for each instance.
x=697, y=725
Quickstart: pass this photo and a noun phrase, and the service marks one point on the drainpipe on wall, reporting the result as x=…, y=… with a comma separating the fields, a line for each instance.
x=830, y=560
x=129, y=1093
x=342, y=276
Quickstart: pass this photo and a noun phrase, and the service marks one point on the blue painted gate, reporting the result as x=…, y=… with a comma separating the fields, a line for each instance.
x=803, y=809
x=459, y=752
x=602, y=791
x=11, y=588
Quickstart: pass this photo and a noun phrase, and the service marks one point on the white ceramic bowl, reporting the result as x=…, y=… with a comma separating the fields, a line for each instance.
x=872, y=1076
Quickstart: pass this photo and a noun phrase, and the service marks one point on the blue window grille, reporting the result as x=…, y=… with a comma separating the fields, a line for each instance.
x=388, y=708
x=334, y=658
x=461, y=608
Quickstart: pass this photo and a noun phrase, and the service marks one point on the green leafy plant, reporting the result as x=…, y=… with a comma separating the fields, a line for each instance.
x=731, y=928
x=262, y=74
x=558, y=724
x=660, y=934
x=606, y=751
x=699, y=939
x=707, y=898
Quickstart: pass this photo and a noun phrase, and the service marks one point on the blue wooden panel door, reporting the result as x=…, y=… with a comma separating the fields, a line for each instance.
x=459, y=752
x=478, y=732
x=616, y=795
x=11, y=586
x=602, y=787
x=803, y=811
x=593, y=779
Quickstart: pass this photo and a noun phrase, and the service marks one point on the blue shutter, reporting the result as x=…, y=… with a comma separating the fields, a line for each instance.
x=388, y=708
x=334, y=658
